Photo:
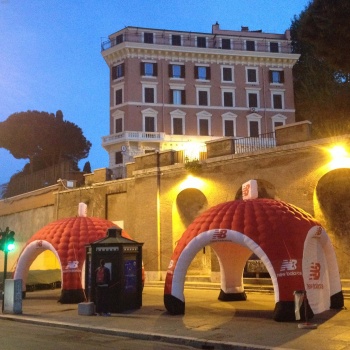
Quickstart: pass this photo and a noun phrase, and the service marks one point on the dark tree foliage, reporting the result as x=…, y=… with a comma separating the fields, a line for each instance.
x=43, y=138
x=87, y=168
x=325, y=25
x=322, y=91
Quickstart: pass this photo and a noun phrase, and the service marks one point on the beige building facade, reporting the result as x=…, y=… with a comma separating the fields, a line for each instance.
x=176, y=90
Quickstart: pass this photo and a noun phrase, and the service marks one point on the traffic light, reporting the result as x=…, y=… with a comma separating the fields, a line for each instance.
x=10, y=241
x=7, y=240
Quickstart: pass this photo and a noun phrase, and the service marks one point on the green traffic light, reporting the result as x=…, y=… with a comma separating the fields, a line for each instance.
x=10, y=247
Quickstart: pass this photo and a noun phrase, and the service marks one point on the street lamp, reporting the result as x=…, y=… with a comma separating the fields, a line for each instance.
x=340, y=157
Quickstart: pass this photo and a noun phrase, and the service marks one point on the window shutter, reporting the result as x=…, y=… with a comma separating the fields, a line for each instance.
x=208, y=73
x=183, y=97
x=170, y=70
x=142, y=68
x=171, y=96
x=123, y=69
x=183, y=71
x=270, y=76
x=155, y=69
x=196, y=72
x=282, y=77
x=114, y=72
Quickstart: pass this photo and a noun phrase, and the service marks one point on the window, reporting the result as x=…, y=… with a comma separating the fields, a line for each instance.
x=250, y=45
x=119, y=96
x=276, y=76
x=229, y=128
x=149, y=120
x=204, y=127
x=277, y=100
x=118, y=125
x=118, y=71
x=203, y=98
x=227, y=74
x=149, y=95
x=274, y=47
x=254, y=125
x=119, y=39
x=252, y=75
x=148, y=38
x=202, y=72
x=149, y=124
x=177, y=97
x=118, y=157
x=148, y=69
x=201, y=41
x=176, y=40
x=176, y=71
x=177, y=126
x=252, y=99
x=229, y=124
x=278, y=120
x=253, y=128
x=226, y=44
x=228, y=99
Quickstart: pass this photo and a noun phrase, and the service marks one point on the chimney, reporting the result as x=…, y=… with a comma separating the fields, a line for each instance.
x=244, y=29
x=114, y=232
x=215, y=28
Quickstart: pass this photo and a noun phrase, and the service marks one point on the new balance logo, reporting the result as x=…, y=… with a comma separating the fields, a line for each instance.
x=289, y=265
x=219, y=234
x=315, y=271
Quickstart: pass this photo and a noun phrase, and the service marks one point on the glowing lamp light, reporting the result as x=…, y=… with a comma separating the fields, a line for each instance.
x=191, y=182
x=340, y=157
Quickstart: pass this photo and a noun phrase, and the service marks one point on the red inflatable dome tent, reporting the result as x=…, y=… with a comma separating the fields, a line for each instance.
x=293, y=246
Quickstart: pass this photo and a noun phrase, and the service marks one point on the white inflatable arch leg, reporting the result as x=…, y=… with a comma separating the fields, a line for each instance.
x=28, y=255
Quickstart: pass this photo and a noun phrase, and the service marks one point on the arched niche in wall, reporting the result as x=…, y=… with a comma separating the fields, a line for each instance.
x=333, y=200
x=189, y=204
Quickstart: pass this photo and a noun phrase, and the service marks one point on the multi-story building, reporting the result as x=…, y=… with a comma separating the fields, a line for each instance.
x=177, y=90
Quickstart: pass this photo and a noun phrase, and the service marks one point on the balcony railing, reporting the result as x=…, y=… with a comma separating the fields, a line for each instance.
x=133, y=136
x=212, y=42
x=252, y=144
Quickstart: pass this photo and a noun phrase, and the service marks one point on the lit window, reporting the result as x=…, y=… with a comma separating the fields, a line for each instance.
x=118, y=71
x=202, y=72
x=176, y=71
x=276, y=76
x=148, y=69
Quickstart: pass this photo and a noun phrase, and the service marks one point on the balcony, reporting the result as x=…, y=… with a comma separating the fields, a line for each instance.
x=237, y=42
x=137, y=136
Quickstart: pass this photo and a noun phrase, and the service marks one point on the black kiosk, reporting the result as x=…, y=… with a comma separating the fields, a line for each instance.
x=123, y=257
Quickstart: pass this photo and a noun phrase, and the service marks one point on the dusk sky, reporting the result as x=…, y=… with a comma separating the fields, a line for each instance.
x=50, y=52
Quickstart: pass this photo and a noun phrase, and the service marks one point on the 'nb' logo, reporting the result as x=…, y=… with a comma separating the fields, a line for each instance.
x=315, y=271
x=219, y=234
x=289, y=265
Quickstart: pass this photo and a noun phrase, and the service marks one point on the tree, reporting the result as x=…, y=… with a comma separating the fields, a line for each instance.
x=325, y=26
x=43, y=138
x=322, y=91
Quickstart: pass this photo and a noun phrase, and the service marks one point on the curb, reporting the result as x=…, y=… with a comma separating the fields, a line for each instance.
x=178, y=340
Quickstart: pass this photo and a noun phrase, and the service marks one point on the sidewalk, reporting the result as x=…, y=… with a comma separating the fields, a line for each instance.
x=207, y=324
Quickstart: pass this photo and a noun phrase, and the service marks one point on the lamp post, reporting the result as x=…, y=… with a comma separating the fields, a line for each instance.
x=7, y=244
